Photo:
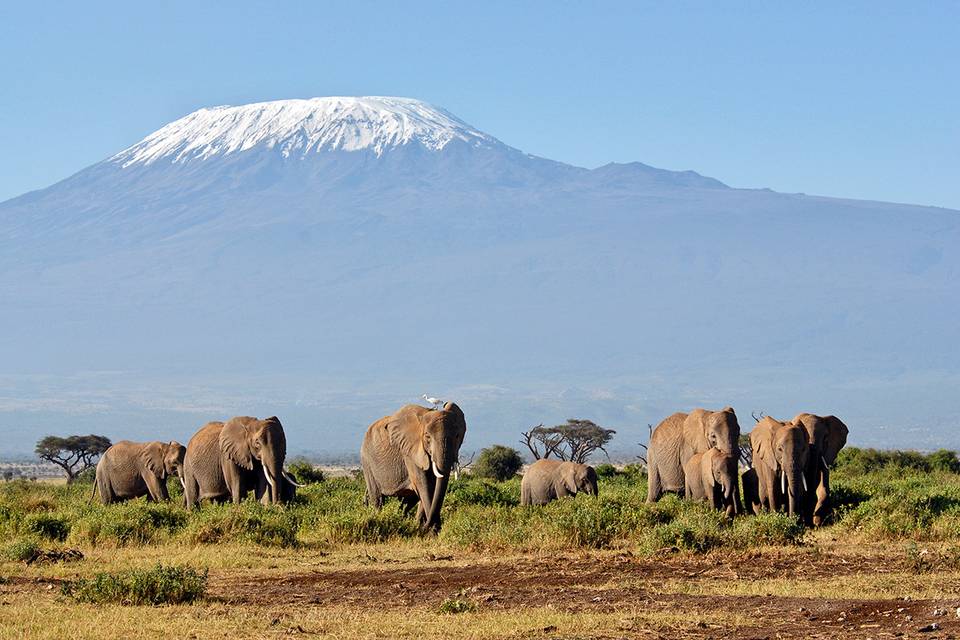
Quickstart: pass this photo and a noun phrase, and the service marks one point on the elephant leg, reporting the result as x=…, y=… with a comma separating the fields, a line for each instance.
x=373, y=497
x=409, y=504
x=822, y=508
x=191, y=490
x=234, y=481
x=525, y=495
x=156, y=489
x=653, y=483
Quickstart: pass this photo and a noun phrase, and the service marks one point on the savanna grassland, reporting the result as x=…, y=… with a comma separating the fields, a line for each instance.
x=606, y=567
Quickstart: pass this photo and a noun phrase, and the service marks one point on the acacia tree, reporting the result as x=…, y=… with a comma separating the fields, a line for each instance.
x=575, y=440
x=541, y=441
x=73, y=454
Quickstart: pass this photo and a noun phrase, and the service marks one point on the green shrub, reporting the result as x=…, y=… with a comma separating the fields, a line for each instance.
x=304, y=472
x=159, y=585
x=696, y=528
x=586, y=521
x=128, y=523
x=856, y=461
x=467, y=491
x=249, y=521
x=497, y=463
x=370, y=526
x=605, y=470
x=22, y=551
x=457, y=604
x=48, y=526
x=767, y=529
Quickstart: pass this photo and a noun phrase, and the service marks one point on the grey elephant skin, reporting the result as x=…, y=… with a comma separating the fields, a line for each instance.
x=227, y=460
x=826, y=435
x=712, y=476
x=681, y=436
x=547, y=480
x=780, y=455
x=410, y=454
x=132, y=469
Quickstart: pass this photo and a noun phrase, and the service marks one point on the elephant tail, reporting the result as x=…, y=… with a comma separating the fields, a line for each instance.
x=93, y=494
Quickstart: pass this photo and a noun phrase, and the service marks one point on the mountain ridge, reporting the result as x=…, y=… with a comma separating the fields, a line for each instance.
x=330, y=287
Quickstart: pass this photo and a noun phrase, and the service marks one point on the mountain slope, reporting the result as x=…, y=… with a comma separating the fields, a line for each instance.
x=328, y=259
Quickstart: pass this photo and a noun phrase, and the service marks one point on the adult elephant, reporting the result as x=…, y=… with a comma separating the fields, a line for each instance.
x=410, y=455
x=780, y=456
x=713, y=476
x=132, y=469
x=547, y=480
x=225, y=460
x=826, y=435
x=681, y=436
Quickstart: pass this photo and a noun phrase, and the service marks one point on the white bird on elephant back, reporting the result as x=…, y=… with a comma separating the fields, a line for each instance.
x=436, y=402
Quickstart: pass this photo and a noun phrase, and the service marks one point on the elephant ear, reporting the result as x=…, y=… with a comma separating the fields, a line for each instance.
x=835, y=440
x=761, y=441
x=453, y=408
x=234, y=444
x=152, y=457
x=568, y=476
x=406, y=433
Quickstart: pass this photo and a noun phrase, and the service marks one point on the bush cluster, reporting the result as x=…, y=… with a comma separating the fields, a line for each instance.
x=862, y=461
x=159, y=585
x=497, y=463
x=893, y=503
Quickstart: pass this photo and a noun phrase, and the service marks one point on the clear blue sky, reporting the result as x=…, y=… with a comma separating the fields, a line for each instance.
x=847, y=99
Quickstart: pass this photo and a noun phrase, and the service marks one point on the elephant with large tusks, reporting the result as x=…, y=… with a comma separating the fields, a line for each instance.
x=780, y=455
x=826, y=435
x=681, y=436
x=547, y=480
x=132, y=469
x=712, y=476
x=410, y=455
x=227, y=460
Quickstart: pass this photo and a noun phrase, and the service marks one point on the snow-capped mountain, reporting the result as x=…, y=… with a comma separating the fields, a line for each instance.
x=296, y=128
x=326, y=260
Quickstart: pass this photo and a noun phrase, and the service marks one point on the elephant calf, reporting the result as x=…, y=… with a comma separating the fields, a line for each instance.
x=547, y=480
x=133, y=469
x=712, y=476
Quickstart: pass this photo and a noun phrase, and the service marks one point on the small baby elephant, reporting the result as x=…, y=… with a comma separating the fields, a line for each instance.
x=133, y=469
x=713, y=476
x=547, y=480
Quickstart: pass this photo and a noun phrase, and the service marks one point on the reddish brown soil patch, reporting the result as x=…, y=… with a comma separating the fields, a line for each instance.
x=617, y=585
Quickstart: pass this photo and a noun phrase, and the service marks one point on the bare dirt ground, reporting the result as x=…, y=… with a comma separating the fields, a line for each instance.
x=770, y=593
x=609, y=584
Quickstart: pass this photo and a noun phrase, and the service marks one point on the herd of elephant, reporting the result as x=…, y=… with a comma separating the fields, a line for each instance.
x=411, y=454
x=697, y=453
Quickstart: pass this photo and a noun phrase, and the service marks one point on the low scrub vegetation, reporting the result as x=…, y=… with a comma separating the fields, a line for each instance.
x=894, y=501
x=155, y=586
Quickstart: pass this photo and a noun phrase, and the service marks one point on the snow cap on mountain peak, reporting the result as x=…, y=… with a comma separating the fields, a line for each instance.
x=301, y=127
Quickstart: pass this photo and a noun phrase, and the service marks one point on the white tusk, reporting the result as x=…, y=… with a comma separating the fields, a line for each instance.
x=184, y=486
x=783, y=482
x=804, y=476
x=824, y=461
x=269, y=479
x=291, y=480
x=436, y=471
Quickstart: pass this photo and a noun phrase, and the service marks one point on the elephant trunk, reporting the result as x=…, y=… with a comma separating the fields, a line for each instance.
x=273, y=471
x=796, y=482
x=730, y=500
x=433, y=514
